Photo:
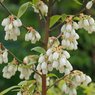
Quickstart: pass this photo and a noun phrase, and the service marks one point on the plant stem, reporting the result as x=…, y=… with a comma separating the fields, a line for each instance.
x=47, y=23
x=44, y=87
x=57, y=81
x=8, y=11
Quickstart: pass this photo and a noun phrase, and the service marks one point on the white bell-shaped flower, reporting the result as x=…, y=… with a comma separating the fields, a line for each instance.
x=11, y=25
x=32, y=35
x=5, y=56
x=89, y=4
x=41, y=7
x=25, y=72
x=9, y=71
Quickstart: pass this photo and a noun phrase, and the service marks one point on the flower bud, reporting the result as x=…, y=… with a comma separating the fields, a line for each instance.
x=89, y=4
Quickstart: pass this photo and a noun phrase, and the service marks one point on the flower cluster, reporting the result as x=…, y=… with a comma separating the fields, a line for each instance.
x=10, y=69
x=40, y=6
x=87, y=22
x=11, y=27
x=89, y=4
x=3, y=56
x=25, y=71
x=73, y=80
x=55, y=57
x=58, y=58
x=32, y=35
x=69, y=38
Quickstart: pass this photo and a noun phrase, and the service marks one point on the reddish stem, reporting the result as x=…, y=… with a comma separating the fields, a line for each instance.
x=44, y=87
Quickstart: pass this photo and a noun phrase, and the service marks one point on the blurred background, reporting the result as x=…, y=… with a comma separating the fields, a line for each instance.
x=82, y=59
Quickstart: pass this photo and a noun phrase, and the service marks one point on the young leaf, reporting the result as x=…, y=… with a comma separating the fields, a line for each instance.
x=76, y=18
x=8, y=89
x=52, y=75
x=38, y=49
x=54, y=19
x=23, y=9
x=64, y=16
x=77, y=1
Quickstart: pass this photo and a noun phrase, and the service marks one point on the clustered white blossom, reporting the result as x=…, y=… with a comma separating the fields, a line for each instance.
x=87, y=22
x=40, y=6
x=73, y=80
x=10, y=69
x=58, y=58
x=89, y=4
x=70, y=37
x=32, y=35
x=11, y=27
x=55, y=57
x=3, y=56
x=25, y=71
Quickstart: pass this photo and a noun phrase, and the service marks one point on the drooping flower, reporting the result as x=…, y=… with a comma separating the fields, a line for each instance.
x=70, y=37
x=40, y=6
x=73, y=80
x=10, y=69
x=11, y=27
x=32, y=35
x=89, y=4
x=55, y=58
x=53, y=42
x=25, y=71
x=87, y=22
x=3, y=56
x=30, y=59
x=42, y=66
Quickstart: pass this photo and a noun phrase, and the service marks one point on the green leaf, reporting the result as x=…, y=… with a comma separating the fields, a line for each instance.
x=76, y=18
x=54, y=19
x=8, y=89
x=23, y=9
x=27, y=82
x=52, y=75
x=77, y=1
x=39, y=49
x=64, y=16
